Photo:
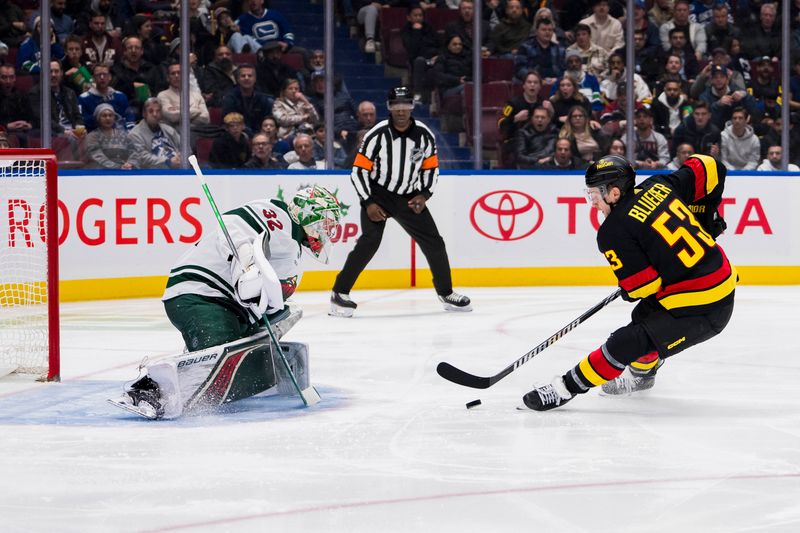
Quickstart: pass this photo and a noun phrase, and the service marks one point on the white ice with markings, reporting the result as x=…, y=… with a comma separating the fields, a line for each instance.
x=714, y=447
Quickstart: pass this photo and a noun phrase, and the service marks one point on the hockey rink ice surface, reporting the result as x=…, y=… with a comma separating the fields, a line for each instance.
x=714, y=447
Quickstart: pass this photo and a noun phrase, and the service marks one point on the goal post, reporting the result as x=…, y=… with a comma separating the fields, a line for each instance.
x=29, y=310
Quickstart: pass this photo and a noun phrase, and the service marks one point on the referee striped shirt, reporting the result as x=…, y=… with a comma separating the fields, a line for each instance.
x=401, y=162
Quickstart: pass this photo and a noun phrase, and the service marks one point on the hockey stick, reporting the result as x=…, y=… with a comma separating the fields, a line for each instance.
x=309, y=395
x=458, y=376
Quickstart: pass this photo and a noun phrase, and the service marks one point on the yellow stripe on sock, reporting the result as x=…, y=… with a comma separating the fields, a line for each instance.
x=589, y=373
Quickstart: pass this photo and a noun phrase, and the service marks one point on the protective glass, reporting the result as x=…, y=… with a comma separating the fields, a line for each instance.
x=596, y=194
x=400, y=106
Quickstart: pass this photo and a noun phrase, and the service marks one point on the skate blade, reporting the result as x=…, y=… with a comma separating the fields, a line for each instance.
x=145, y=413
x=340, y=311
x=456, y=309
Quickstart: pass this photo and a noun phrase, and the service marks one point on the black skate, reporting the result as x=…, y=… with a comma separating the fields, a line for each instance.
x=548, y=396
x=143, y=398
x=342, y=305
x=455, y=302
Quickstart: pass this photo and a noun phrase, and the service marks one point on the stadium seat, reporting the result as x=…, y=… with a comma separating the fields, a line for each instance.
x=395, y=53
x=497, y=69
x=294, y=60
x=215, y=115
x=439, y=18
x=240, y=59
x=204, y=149
x=25, y=82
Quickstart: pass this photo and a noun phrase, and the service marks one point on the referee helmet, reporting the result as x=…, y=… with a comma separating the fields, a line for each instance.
x=400, y=96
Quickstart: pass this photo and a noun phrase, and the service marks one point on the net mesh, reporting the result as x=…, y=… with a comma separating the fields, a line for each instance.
x=23, y=267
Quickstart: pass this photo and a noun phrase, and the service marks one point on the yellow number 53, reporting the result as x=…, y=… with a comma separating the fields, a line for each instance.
x=693, y=251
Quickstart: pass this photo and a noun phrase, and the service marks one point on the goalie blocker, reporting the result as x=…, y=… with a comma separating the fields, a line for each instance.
x=201, y=381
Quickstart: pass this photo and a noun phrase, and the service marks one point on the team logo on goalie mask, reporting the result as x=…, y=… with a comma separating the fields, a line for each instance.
x=506, y=215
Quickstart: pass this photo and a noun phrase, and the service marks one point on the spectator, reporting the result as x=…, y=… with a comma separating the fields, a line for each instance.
x=774, y=159
x=76, y=74
x=244, y=99
x=661, y=12
x=587, y=84
x=29, y=55
x=721, y=99
x=99, y=46
x=13, y=29
x=113, y=17
x=541, y=54
x=63, y=23
x=158, y=144
x=719, y=30
x=367, y=15
x=493, y=12
x=269, y=127
x=101, y=93
x=303, y=147
x=452, y=69
x=698, y=130
x=344, y=120
x=606, y=30
x=588, y=143
x=262, y=157
x=170, y=100
x=135, y=76
x=651, y=149
x=65, y=115
x=682, y=153
x=696, y=33
x=765, y=83
x=647, y=60
x=566, y=97
x=536, y=140
x=463, y=27
x=421, y=44
x=614, y=115
x=293, y=110
x=318, y=143
x=670, y=108
x=16, y=111
x=108, y=145
x=594, y=57
x=218, y=77
x=673, y=70
x=616, y=74
x=4, y=139
x=718, y=57
x=259, y=26
x=617, y=147
x=222, y=28
x=154, y=51
x=366, y=117
x=651, y=38
x=740, y=146
x=680, y=46
x=518, y=111
x=508, y=35
x=764, y=38
x=272, y=71
x=232, y=148
x=563, y=158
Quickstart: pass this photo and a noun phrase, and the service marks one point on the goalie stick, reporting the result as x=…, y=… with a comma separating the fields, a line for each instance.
x=310, y=396
x=458, y=376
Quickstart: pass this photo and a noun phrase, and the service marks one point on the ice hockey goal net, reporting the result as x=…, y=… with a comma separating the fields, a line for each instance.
x=29, y=327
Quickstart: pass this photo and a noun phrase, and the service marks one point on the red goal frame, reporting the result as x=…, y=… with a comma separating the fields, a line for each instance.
x=51, y=210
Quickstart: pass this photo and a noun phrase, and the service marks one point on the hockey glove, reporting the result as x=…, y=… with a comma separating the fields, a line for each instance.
x=259, y=287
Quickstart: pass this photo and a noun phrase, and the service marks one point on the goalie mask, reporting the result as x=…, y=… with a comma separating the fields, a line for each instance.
x=318, y=212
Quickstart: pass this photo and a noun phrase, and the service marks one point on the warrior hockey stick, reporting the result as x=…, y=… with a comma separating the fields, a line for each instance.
x=309, y=395
x=451, y=373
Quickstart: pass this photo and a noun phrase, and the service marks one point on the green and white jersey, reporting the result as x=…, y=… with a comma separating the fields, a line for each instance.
x=206, y=269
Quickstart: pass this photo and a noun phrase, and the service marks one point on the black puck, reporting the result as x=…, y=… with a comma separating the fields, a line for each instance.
x=473, y=403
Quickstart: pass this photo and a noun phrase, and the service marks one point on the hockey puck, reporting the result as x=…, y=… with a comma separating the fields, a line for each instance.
x=473, y=403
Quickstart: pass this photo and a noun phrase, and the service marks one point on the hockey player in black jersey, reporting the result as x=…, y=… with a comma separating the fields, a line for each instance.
x=658, y=239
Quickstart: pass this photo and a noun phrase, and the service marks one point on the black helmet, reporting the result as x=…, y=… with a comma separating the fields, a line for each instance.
x=611, y=170
x=400, y=94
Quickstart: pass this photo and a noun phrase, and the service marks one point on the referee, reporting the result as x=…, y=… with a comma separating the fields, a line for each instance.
x=394, y=173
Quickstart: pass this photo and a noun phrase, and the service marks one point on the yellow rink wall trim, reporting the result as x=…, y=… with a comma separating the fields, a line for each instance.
x=153, y=286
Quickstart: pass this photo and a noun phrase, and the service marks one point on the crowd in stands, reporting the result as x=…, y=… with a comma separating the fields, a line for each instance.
x=706, y=79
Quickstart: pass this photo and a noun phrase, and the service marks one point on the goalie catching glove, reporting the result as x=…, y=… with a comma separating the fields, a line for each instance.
x=257, y=284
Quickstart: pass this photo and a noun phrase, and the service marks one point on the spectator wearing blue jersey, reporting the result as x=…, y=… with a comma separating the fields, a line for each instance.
x=260, y=26
x=103, y=93
x=29, y=55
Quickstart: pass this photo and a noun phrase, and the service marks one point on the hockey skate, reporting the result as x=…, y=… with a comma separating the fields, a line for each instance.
x=455, y=302
x=142, y=398
x=548, y=396
x=342, y=305
x=629, y=382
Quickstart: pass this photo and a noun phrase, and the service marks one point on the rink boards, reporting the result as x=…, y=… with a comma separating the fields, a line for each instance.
x=121, y=232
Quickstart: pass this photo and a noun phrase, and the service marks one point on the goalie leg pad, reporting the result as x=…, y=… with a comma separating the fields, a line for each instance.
x=297, y=356
x=286, y=321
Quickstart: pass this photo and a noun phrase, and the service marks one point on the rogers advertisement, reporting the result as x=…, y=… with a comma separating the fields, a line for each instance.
x=131, y=225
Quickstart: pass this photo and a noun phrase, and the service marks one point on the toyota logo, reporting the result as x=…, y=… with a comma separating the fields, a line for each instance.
x=506, y=215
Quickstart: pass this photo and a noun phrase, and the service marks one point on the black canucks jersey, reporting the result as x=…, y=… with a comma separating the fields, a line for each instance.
x=657, y=247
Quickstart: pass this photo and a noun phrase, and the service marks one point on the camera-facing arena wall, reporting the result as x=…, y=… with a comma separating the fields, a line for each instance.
x=120, y=232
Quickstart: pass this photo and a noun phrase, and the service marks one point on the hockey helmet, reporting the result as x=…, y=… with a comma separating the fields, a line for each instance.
x=400, y=96
x=318, y=212
x=611, y=170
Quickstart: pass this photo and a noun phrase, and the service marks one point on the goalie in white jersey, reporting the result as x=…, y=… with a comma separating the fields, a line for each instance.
x=218, y=302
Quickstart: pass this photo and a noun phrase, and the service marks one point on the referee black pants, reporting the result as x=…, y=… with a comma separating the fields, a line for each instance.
x=420, y=227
